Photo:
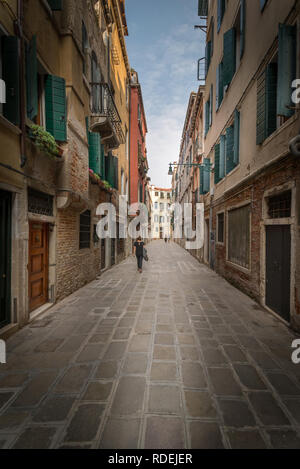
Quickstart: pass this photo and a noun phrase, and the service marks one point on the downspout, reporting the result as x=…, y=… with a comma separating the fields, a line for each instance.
x=19, y=33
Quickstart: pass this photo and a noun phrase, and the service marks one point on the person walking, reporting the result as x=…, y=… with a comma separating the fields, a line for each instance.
x=139, y=253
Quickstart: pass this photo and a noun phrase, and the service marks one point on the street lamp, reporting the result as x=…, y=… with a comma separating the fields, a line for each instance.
x=189, y=165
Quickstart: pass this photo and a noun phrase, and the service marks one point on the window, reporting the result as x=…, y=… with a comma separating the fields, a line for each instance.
x=221, y=12
x=162, y=195
x=96, y=104
x=220, y=227
x=85, y=230
x=162, y=220
x=40, y=203
x=209, y=111
x=127, y=143
x=227, y=152
x=156, y=194
x=205, y=177
x=280, y=206
x=263, y=4
x=156, y=205
x=156, y=219
x=122, y=182
x=161, y=207
x=274, y=97
x=84, y=46
x=55, y=5
x=239, y=236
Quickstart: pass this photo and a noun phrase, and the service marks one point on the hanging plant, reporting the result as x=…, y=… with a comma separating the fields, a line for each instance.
x=44, y=141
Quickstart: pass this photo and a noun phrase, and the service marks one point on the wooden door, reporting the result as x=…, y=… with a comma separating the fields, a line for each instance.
x=5, y=257
x=38, y=265
x=278, y=269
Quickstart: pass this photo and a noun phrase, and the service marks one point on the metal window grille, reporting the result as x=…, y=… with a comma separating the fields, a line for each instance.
x=221, y=228
x=40, y=203
x=280, y=206
x=85, y=230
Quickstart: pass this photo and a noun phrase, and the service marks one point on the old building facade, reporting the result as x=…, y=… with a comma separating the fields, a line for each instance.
x=161, y=212
x=65, y=131
x=252, y=196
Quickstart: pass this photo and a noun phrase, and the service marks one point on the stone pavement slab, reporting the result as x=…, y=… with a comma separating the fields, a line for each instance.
x=174, y=358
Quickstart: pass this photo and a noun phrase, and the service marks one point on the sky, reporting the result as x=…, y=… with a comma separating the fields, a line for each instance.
x=164, y=48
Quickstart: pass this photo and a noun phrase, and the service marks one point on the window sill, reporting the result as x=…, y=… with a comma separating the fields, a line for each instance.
x=239, y=267
x=12, y=127
x=280, y=129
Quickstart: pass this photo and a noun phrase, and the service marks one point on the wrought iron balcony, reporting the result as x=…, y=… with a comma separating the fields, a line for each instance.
x=105, y=118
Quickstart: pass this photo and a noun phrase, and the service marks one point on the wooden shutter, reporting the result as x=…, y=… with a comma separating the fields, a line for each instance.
x=31, y=79
x=242, y=27
x=56, y=109
x=207, y=57
x=229, y=60
x=271, y=98
x=219, y=85
x=201, y=180
x=55, y=5
x=287, y=51
x=202, y=7
x=211, y=105
x=222, y=156
x=116, y=172
x=102, y=162
x=206, y=176
x=262, y=4
x=261, y=109
x=236, y=156
x=11, y=76
x=217, y=163
x=221, y=11
x=229, y=149
x=207, y=113
x=110, y=169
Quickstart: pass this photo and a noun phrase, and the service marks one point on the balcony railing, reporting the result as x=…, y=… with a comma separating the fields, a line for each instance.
x=105, y=118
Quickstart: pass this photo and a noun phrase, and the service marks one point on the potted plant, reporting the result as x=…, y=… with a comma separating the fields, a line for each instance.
x=44, y=141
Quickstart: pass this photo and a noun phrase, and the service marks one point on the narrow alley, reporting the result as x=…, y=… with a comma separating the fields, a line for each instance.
x=173, y=358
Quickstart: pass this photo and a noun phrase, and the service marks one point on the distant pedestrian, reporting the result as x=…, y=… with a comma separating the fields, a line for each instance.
x=166, y=239
x=139, y=253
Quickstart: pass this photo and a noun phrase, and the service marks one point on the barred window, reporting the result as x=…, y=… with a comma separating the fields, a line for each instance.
x=85, y=230
x=40, y=203
x=221, y=219
x=280, y=206
x=239, y=236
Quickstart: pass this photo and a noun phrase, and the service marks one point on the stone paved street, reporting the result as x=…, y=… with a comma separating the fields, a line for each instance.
x=173, y=358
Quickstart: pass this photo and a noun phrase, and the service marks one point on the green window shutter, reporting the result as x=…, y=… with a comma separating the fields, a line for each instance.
x=56, y=109
x=110, y=169
x=31, y=79
x=287, y=51
x=211, y=102
x=262, y=4
x=221, y=11
x=261, y=109
x=202, y=7
x=116, y=172
x=206, y=176
x=11, y=76
x=201, y=180
x=207, y=113
x=207, y=57
x=242, y=28
x=102, y=163
x=219, y=85
x=271, y=98
x=229, y=60
x=55, y=5
x=222, y=156
x=236, y=156
x=212, y=37
x=230, y=149
x=217, y=163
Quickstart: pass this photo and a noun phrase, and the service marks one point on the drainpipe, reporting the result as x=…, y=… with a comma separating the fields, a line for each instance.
x=295, y=146
x=19, y=33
